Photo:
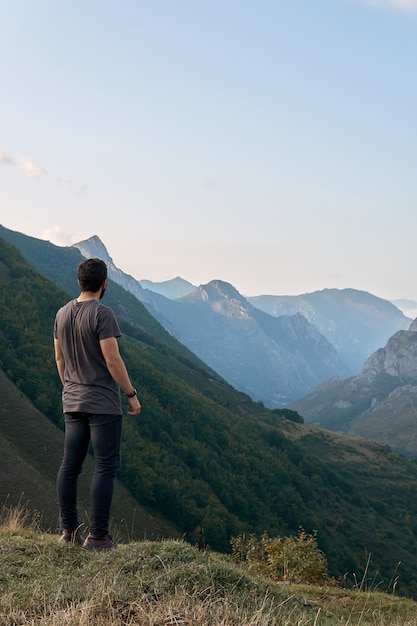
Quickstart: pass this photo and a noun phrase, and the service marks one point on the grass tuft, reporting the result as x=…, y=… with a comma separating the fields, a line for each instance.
x=18, y=518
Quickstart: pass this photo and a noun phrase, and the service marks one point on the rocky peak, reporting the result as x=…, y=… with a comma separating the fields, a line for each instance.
x=222, y=298
x=220, y=290
x=94, y=247
x=413, y=326
x=398, y=358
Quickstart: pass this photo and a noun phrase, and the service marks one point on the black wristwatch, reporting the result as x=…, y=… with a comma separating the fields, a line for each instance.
x=132, y=394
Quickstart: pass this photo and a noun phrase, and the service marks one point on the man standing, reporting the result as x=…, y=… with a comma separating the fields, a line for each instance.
x=92, y=373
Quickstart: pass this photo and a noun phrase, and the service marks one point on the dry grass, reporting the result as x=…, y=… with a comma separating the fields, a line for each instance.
x=18, y=518
x=163, y=583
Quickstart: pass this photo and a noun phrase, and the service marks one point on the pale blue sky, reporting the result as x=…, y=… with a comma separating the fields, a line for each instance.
x=271, y=144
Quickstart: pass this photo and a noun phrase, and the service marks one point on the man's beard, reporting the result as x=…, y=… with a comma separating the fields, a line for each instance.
x=103, y=291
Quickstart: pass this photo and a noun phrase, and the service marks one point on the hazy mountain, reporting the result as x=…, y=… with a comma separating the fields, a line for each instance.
x=380, y=403
x=172, y=289
x=273, y=360
x=201, y=455
x=356, y=322
x=408, y=307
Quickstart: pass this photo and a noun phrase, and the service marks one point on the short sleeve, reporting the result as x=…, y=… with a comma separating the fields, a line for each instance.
x=107, y=325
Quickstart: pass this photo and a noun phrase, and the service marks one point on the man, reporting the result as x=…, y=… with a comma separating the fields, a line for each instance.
x=92, y=373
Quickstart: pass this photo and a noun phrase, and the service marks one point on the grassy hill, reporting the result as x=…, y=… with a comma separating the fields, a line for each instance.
x=169, y=583
x=202, y=456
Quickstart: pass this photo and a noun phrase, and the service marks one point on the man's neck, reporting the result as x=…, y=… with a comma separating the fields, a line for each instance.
x=89, y=295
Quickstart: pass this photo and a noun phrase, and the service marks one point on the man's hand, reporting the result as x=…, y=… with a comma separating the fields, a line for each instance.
x=134, y=406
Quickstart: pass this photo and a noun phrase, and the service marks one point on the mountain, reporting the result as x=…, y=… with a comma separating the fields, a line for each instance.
x=408, y=307
x=355, y=322
x=154, y=302
x=146, y=291
x=202, y=457
x=271, y=359
x=172, y=289
x=275, y=361
x=380, y=403
x=94, y=247
x=272, y=366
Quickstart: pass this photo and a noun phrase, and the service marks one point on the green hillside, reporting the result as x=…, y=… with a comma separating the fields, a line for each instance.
x=58, y=264
x=206, y=458
x=31, y=453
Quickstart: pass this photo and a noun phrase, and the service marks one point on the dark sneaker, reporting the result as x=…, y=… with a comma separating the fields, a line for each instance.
x=72, y=537
x=99, y=543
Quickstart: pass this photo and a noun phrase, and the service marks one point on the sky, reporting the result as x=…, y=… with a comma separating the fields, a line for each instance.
x=271, y=144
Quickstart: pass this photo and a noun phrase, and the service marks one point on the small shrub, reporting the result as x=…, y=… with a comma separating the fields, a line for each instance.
x=292, y=559
x=289, y=414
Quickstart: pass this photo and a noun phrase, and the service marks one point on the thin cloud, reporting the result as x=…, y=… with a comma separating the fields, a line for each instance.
x=76, y=188
x=31, y=169
x=57, y=236
x=399, y=5
x=25, y=164
x=5, y=159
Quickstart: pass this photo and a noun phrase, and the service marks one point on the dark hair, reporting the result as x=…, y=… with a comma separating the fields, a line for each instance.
x=91, y=274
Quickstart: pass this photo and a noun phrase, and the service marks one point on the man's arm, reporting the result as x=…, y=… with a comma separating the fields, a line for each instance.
x=60, y=361
x=118, y=371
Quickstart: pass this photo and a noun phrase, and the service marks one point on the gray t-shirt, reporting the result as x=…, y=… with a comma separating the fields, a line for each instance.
x=89, y=387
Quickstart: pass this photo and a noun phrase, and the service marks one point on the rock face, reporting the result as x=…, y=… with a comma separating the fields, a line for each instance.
x=356, y=322
x=380, y=403
x=398, y=358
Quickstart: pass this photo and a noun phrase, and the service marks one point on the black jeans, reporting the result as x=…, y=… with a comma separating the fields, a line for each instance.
x=104, y=432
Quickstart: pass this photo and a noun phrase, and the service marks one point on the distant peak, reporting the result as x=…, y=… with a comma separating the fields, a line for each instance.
x=93, y=247
x=220, y=289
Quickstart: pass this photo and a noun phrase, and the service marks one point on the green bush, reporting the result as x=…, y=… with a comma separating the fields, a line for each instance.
x=291, y=559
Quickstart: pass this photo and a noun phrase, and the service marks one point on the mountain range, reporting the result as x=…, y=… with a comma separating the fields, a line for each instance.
x=203, y=460
x=355, y=322
x=274, y=358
